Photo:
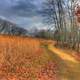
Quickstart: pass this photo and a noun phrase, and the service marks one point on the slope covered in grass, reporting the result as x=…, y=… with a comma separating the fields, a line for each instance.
x=24, y=58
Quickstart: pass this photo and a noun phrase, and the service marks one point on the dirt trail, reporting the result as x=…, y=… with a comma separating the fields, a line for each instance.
x=62, y=54
x=70, y=67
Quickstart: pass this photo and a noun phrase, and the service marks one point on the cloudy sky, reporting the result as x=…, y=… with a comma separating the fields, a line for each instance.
x=22, y=12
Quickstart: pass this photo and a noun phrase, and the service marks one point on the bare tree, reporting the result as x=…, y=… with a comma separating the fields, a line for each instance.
x=62, y=15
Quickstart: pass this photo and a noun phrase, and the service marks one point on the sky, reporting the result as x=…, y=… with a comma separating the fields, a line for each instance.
x=22, y=12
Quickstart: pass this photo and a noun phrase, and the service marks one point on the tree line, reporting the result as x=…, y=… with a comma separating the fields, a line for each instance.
x=61, y=14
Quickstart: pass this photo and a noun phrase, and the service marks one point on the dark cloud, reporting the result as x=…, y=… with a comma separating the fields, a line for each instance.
x=22, y=12
x=24, y=8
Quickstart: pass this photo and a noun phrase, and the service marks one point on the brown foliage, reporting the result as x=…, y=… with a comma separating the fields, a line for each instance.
x=24, y=59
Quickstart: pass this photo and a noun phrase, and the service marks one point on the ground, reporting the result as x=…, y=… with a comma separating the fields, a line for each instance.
x=69, y=65
x=25, y=58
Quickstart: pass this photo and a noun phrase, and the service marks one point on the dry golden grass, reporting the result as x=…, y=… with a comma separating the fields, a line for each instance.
x=24, y=58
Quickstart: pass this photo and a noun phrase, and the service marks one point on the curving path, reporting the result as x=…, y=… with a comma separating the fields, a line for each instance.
x=69, y=66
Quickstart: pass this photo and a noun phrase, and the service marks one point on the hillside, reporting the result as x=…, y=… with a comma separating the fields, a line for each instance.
x=10, y=28
x=26, y=58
